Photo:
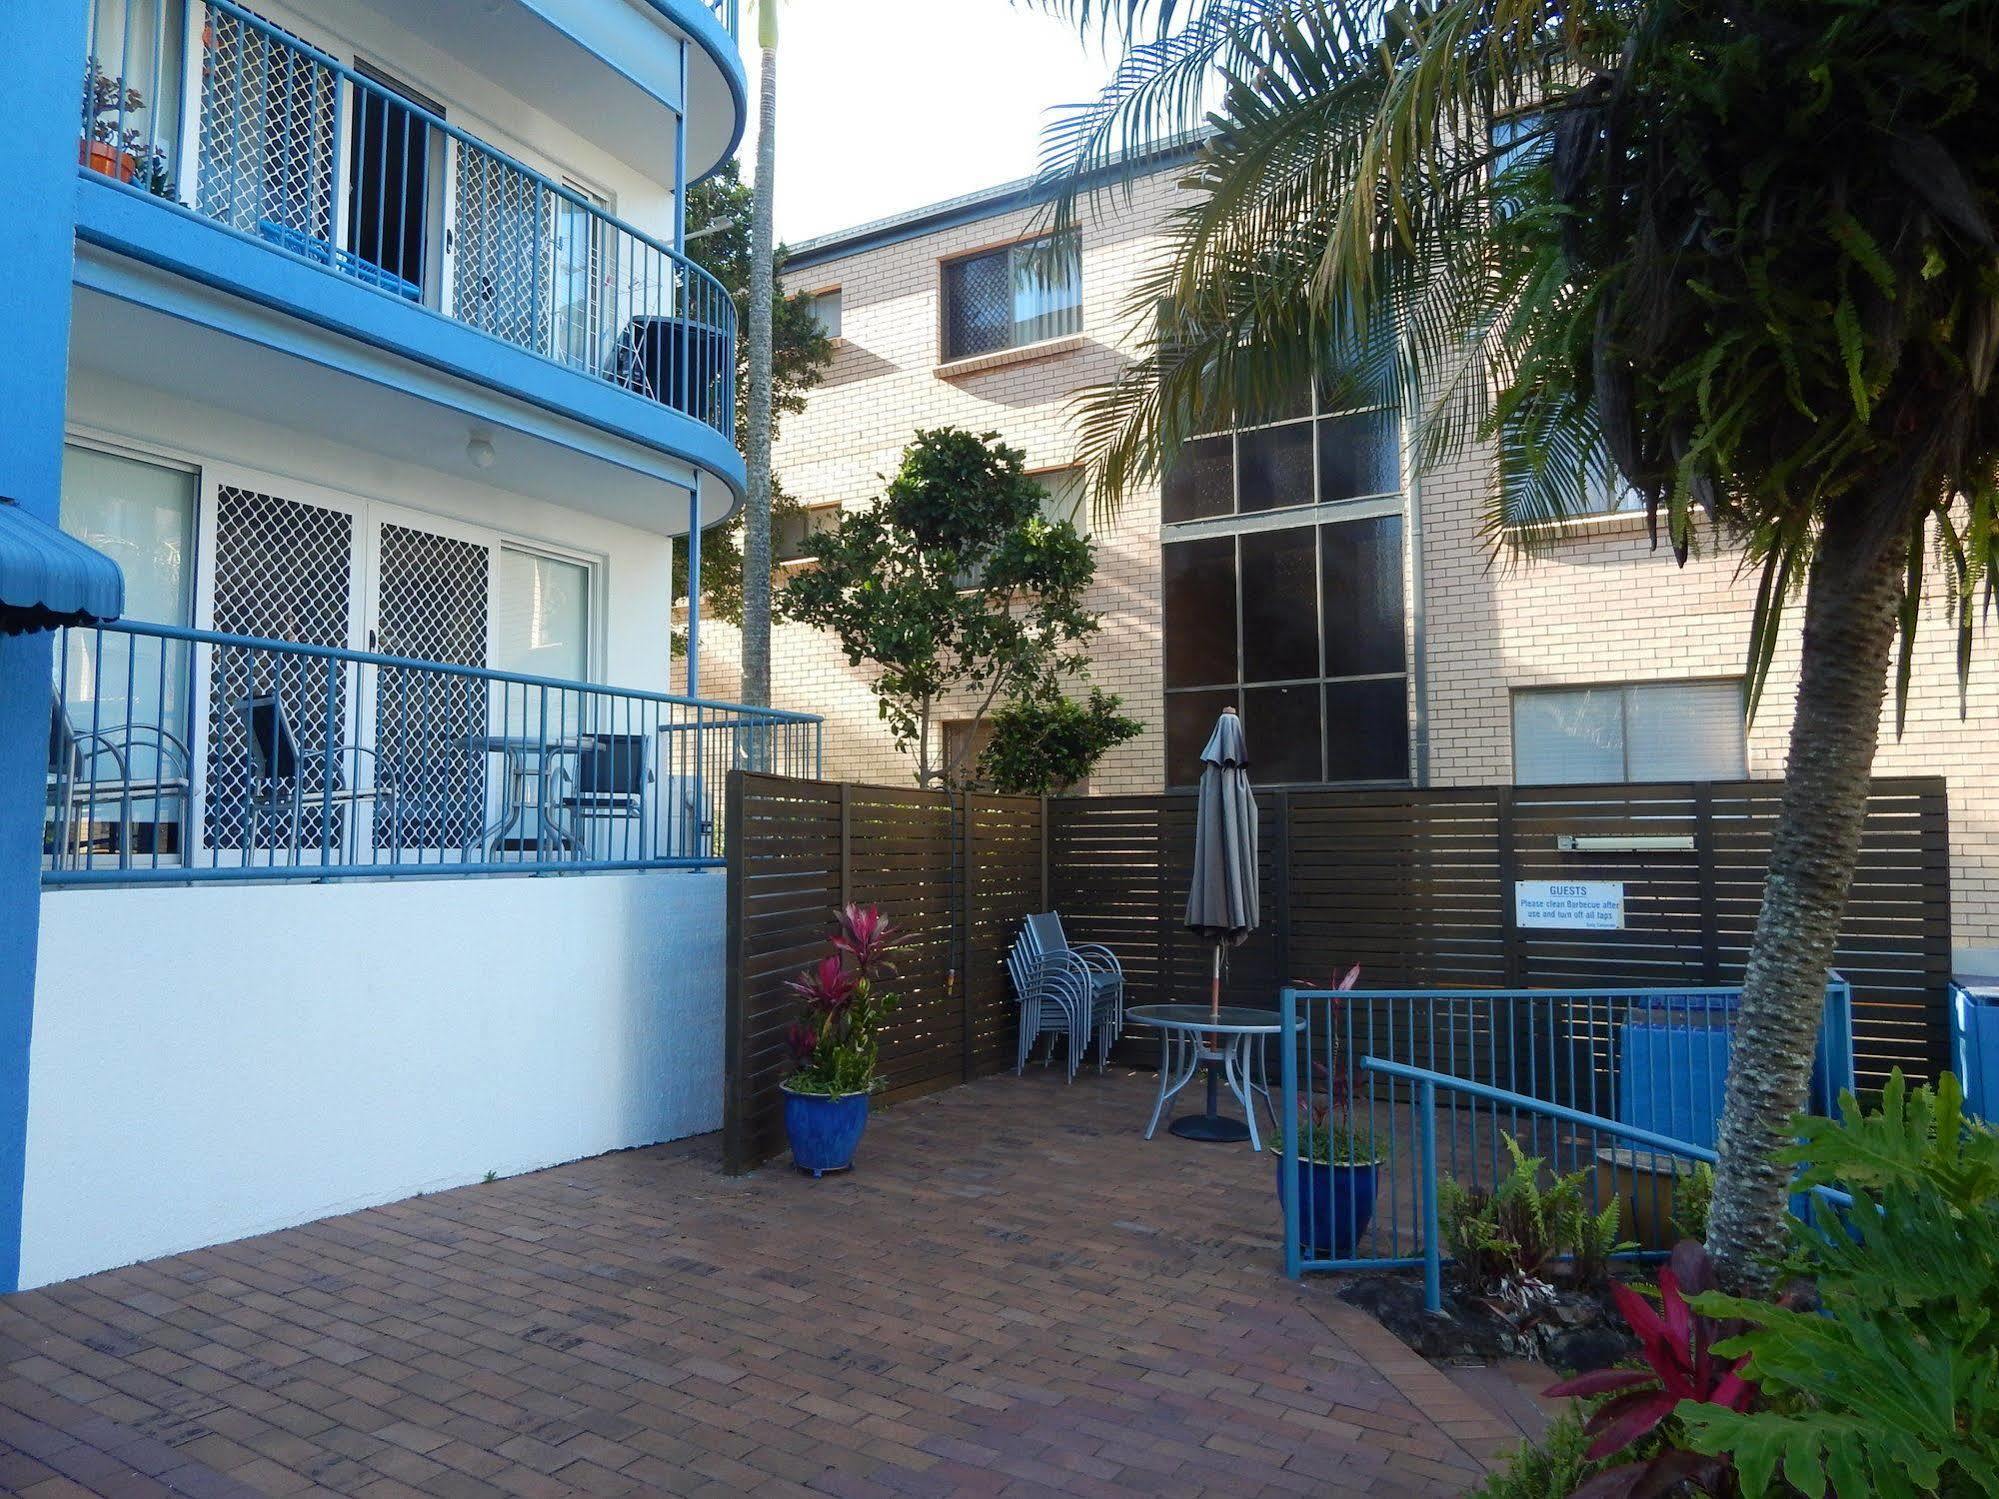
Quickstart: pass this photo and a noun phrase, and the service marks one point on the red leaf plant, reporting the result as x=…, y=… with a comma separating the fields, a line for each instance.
x=1675, y=1342
x=1325, y=1129
x=832, y=1043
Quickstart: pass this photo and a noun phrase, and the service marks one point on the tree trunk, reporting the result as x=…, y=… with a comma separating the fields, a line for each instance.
x=756, y=511
x=1851, y=604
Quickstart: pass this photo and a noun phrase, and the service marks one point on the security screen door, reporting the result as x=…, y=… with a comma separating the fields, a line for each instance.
x=433, y=587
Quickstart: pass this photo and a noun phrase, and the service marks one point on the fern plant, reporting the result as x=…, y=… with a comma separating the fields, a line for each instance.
x=1894, y=1388
x=1505, y=1236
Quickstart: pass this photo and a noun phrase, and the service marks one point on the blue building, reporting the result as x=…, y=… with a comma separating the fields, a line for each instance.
x=357, y=333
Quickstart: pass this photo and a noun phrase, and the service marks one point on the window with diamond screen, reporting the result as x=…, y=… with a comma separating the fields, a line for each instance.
x=1015, y=295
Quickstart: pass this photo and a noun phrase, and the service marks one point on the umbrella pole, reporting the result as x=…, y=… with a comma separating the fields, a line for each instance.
x=1211, y=1126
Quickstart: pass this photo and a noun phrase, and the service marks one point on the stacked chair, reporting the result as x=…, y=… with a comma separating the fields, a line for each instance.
x=1075, y=992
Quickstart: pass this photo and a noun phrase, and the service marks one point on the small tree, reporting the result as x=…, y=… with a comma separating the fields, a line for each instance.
x=1048, y=743
x=953, y=582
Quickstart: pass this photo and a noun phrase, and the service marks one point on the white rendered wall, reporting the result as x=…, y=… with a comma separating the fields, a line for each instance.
x=214, y=1062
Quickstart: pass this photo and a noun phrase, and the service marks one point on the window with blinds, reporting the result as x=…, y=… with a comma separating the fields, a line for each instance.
x=1650, y=731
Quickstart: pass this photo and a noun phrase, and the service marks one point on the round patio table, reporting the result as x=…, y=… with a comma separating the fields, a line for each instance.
x=1191, y=1036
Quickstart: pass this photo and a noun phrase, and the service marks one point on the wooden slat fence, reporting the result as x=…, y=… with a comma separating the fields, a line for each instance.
x=1414, y=885
x=798, y=850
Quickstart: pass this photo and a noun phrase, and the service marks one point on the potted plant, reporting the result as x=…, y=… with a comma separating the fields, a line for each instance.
x=1337, y=1166
x=833, y=1044
x=126, y=153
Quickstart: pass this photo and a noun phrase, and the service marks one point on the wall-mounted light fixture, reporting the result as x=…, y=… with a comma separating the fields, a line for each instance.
x=479, y=450
x=1620, y=843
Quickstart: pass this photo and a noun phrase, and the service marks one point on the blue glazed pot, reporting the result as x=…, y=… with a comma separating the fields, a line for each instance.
x=1336, y=1205
x=824, y=1131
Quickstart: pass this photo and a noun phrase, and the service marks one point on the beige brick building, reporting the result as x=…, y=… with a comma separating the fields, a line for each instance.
x=1496, y=649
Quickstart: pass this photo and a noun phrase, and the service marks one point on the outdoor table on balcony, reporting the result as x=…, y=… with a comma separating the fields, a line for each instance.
x=1192, y=1036
x=530, y=760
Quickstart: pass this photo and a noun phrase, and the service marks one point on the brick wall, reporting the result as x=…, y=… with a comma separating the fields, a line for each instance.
x=1596, y=606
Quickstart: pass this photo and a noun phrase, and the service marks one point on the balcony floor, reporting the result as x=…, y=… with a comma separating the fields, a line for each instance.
x=1014, y=1295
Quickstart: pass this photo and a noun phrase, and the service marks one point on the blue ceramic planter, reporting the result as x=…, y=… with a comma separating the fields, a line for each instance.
x=1335, y=1206
x=824, y=1131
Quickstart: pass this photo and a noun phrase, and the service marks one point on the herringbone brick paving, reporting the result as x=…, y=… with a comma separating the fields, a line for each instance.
x=1014, y=1295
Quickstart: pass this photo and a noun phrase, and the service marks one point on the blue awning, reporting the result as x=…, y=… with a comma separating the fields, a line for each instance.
x=48, y=578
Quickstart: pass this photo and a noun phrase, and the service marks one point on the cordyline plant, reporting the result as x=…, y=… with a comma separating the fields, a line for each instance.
x=1743, y=257
x=833, y=1044
x=1677, y=1344
x=1327, y=1133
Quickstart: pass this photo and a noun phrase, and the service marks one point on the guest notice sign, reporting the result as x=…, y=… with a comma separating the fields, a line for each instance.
x=1587, y=905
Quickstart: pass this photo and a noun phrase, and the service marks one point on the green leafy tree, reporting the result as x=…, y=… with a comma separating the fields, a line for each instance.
x=1745, y=254
x=1048, y=742
x=719, y=213
x=951, y=585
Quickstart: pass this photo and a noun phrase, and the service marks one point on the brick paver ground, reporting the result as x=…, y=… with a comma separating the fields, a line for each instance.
x=1014, y=1295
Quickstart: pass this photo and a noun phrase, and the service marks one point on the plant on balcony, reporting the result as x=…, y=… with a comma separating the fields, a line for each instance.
x=114, y=148
x=834, y=1044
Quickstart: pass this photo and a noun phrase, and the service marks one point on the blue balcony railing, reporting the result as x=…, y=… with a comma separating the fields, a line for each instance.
x=180, y=755
x=726, y=13
x=285, y=143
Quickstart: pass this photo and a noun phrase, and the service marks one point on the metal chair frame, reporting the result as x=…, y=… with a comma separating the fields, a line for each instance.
x=1053, y=992
x=73, y=751
x=276, y=786
x=1044, y=936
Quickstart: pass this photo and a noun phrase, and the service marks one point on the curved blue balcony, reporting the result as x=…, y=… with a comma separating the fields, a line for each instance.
x=365, y=211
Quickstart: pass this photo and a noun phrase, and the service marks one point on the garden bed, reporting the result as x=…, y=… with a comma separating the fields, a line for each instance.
x=1580, y=1329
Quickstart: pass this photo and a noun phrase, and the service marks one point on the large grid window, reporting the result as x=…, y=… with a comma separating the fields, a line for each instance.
x=1301, y=630
x=1018, y=294
x=1322, y=456
x=1641, y=731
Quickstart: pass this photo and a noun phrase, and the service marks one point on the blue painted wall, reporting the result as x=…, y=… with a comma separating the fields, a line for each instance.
x=43, y=43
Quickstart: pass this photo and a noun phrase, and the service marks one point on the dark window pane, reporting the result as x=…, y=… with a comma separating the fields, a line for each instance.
x=1201, y=483
x=1367, y=735
x=978, y=305
x=1190, y=719
x=1280, y=620
x=1361, y=575
x=1282, y=727
x=1199, y=609
x=1276, y=467
x=1358, y=455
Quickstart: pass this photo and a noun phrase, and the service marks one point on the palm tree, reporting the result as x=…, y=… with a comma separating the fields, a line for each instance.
x=756, y=508
x=1742, y=250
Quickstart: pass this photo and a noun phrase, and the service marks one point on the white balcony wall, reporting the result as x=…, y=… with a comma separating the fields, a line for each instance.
x=216, y=1062
x=474, y=103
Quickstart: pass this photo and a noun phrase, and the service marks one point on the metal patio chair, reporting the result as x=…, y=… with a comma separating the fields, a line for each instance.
x=1043, y=934
x=613, y=775
x=277, y=786
x=78, y=784
x=1053, y=992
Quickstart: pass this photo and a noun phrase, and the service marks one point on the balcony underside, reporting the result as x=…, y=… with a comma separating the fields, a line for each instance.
x=609, y=69
x=170, y=303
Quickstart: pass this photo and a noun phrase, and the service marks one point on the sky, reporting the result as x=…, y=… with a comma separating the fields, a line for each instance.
x=886, y=105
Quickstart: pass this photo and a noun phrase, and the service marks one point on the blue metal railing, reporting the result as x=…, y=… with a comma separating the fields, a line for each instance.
x=1606, y=1082
x=725, y=12
x=286, y=144
x=180, y=755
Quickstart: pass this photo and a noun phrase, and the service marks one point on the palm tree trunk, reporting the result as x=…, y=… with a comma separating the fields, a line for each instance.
x=756, y=511
x=1851, y=605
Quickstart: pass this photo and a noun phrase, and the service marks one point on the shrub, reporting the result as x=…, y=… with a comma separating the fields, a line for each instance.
x=1691, y=1195
x=1893, y=1388
x=1044, y=742
x=1551, y=1468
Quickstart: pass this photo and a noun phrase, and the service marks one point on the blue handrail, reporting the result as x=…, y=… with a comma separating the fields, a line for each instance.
x=1427, y=1082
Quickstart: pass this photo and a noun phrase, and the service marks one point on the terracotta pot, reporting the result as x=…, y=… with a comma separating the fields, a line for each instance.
x=108, y=159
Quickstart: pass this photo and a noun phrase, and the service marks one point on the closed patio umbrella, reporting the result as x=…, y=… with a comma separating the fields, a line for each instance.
x=1222, y=896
